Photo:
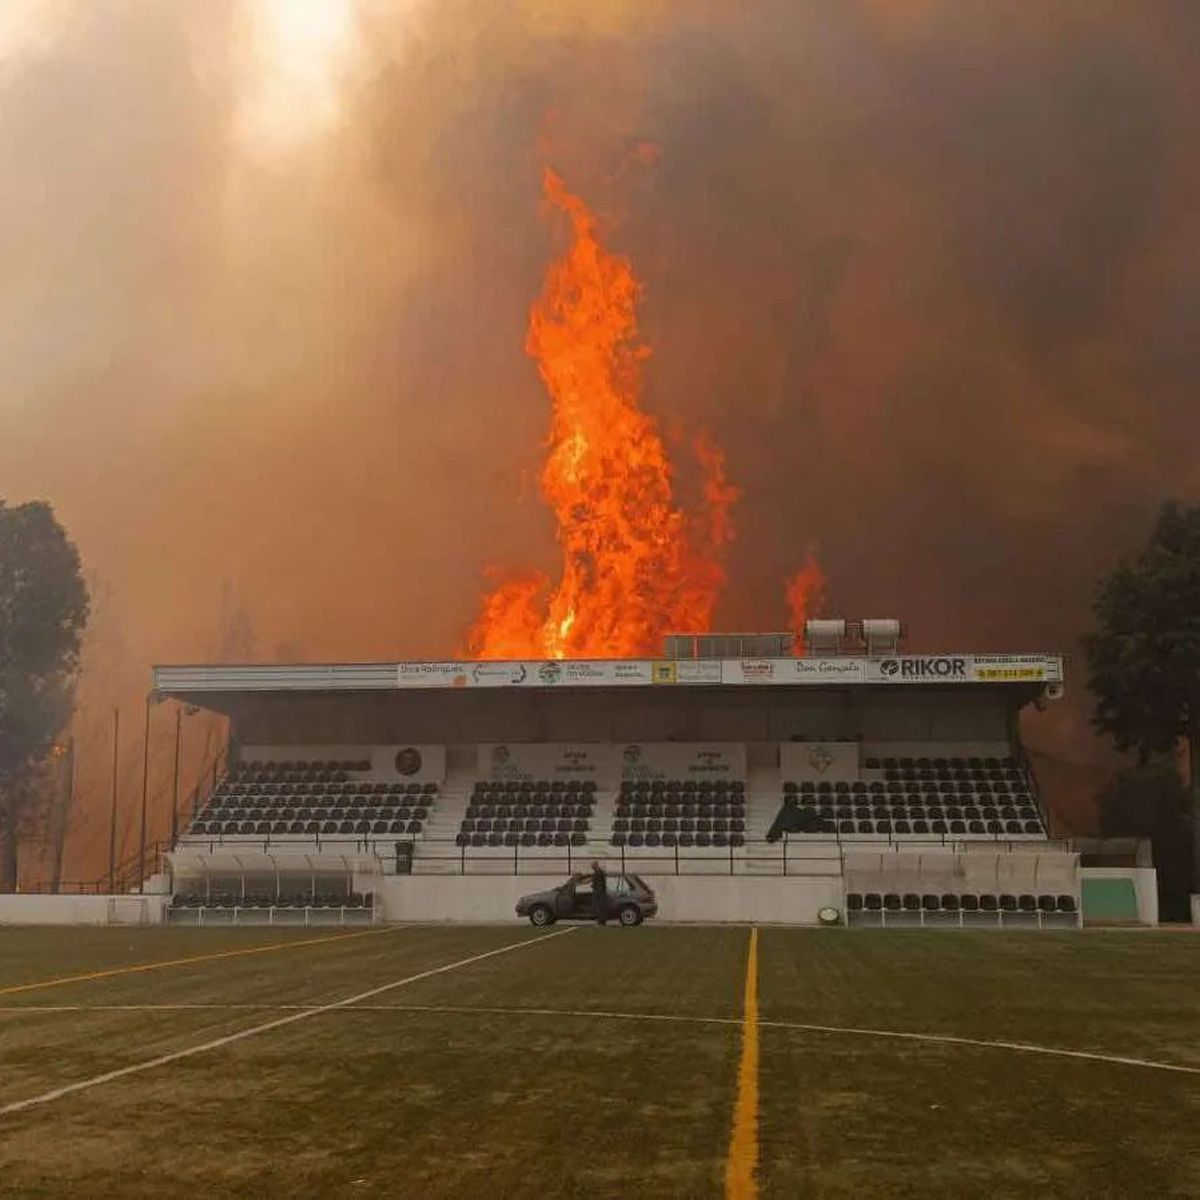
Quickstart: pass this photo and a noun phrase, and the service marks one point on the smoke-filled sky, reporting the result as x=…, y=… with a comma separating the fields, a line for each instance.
x=929, y=271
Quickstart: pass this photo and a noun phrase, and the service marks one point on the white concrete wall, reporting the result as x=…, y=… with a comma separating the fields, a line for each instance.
x=1145, y=883
x=718, y=898
x=29, y=909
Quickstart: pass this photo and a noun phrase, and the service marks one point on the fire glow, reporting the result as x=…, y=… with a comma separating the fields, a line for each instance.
x=635, y=564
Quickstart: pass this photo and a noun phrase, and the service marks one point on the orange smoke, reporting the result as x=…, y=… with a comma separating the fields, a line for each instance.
x=806, y=593
x=635, y=565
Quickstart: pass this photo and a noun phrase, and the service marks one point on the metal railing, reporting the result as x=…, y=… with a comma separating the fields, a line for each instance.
x=422, y=855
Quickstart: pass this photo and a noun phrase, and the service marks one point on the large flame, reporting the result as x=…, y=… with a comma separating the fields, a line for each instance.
x=635, y=564
x=805, y=594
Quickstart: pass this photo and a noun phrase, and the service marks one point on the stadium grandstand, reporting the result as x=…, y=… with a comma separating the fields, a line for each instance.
x=850, y=783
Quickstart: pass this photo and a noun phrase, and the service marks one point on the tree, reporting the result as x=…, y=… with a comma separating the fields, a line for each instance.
x=1151, y=802
x=43, y=610
x=1144, y=657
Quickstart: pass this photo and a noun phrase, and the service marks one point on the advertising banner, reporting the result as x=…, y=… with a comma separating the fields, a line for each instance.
x=824, y=670
x=432, y=674
x=567, y=673
x=1013, y=668
x=687, y=670
x=683, y=760
x=834, y=761
x=754, y=670
x=572, y=762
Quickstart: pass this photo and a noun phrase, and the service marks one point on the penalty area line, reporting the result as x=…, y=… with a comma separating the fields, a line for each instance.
x=254, y=1030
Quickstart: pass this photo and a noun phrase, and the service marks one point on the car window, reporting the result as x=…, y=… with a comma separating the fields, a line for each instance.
x=619, y=885
x=638, y=882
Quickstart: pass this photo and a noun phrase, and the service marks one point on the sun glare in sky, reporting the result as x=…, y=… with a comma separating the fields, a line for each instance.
x=298, y=48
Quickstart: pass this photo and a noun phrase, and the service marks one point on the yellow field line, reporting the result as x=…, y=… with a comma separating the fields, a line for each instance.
x=741, y=1180
x=183, y=962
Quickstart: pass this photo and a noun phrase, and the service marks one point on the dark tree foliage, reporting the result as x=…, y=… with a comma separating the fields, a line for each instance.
x=43, y=610
x=1152, y=802
x=1144, y=657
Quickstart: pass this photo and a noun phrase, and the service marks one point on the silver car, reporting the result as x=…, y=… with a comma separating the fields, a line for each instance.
x=630, y=900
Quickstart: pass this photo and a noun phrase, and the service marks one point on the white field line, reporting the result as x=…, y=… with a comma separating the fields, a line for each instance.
x=601, y=1014
x=293, y=1017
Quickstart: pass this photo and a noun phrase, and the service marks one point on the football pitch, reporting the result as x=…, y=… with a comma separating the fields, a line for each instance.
x=501, y=1061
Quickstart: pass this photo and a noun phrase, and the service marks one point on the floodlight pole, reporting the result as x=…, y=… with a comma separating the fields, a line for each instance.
x=145, y=781
x=175, y=784
x=112, y=820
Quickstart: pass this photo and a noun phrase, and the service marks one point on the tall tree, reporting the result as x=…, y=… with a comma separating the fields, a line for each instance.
x=1144, y=657
x=1151, y=802
x=43, y=610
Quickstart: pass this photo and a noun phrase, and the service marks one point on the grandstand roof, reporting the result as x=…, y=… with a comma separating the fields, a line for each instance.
x=552, y=674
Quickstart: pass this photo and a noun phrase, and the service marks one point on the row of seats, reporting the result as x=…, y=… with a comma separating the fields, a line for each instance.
x=464, y=838
x=276, y=768
x=637, y=840
x=679, y=825
x=958, y=902
x=974, y=762
x=268, y=899
x=942, y=773
x=877, y=787
x=227, y=810
x=631, y=787
x=524, y=825
x=351, y=788
x=895, y=806
x=492, y=787
x=942, y=827
x=656, y=808
x=529, y=810
x=223, y=828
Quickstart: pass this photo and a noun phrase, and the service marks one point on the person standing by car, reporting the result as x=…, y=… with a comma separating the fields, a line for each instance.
x=599, y=892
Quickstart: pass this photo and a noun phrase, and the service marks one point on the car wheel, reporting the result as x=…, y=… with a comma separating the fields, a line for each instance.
x=630, y=915
x=541, y=915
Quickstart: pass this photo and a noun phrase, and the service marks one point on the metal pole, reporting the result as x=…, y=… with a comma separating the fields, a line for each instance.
x=175, y=784
x=112, y=821
x=145, y=782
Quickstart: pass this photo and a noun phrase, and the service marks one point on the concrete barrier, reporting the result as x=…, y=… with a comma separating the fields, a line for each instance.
x=34, y=909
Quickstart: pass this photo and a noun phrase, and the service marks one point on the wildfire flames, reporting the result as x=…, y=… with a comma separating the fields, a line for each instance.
x=635, y=564
x=806, y=593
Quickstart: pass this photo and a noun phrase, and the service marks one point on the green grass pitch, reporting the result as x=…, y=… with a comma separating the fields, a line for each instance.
x=452, y=1086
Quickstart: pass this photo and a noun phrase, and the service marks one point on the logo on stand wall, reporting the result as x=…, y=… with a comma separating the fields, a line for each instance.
x=550, y=672
x=820, y=759
x=409, y=761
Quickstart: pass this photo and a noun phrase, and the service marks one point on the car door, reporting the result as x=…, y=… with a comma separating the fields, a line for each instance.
x=583, y=901
x=564, y=901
